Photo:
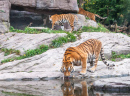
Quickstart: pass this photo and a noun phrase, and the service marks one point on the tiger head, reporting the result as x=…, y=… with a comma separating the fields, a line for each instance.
x=67, y=66
x=53, y=17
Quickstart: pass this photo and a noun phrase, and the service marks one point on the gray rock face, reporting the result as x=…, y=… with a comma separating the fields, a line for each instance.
x=24, y=42
x=49, y=63
x=70, y=5
x=118, y=84
x=57, y=4
x=91, y=23
x=29, y=3
x=4, y=16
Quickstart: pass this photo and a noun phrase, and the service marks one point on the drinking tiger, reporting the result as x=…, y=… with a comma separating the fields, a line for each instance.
x=87, y=51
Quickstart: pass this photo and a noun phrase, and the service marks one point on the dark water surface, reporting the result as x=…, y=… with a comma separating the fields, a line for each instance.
x=54, y=88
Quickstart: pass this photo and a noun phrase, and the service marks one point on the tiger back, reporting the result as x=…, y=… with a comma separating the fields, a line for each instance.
x=63, y=18
x=79, y=55
x=89, y=14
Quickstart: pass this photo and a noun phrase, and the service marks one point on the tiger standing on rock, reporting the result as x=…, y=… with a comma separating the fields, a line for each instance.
x=79, y=55
x=63, y=18
x=89, y=14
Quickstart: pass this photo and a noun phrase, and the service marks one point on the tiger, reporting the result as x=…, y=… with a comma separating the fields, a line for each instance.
x=87, y=51
x=63, y=18
x=89, y=14
x=67, y=88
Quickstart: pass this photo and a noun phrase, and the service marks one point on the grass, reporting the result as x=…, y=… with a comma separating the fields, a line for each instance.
x=28, y=53
x=43, y=48
x=101, y=28
x=16, y=94
x=61, y=40
x=122, y=56
x=10, y=51
x=28, y=30
x=55, y=43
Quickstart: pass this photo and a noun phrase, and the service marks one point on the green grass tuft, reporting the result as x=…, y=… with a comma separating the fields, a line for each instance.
x=28, y=30
x=10, y=51
x=28, y=53
x=16, y=94
x=61, y=40
x=101, y=28
x=122, y=56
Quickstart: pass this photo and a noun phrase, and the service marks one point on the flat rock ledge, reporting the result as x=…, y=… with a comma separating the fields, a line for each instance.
x=47, y=65
x=24, y=42
x=117, y=85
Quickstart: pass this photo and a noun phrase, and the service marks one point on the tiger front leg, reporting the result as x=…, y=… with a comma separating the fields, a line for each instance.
x=52, y=26
x=84, y=66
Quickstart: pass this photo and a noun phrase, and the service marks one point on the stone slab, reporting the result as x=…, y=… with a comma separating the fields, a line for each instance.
x=29, y=3
x=24, y=42
x=49, y=63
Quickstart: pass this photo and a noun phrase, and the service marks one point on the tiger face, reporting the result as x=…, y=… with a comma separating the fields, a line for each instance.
x=67, y=66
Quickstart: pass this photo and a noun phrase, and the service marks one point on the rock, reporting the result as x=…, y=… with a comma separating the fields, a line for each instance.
x=31, y=88
x=4, y=27
x=29, y=3
x=116, y=85
x=56, y=4
x=91, y=23
x=24, y=42
x=65, y=5
x=4, y=16
x=49, y=63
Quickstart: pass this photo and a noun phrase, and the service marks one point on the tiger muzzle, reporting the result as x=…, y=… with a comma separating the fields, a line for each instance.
x=70, y=69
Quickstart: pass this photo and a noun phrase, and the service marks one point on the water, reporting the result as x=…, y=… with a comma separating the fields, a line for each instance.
x=54, y=88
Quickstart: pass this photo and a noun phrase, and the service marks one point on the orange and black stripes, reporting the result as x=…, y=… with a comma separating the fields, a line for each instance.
x=89, y=14
x=86, y=51
x=63, y=18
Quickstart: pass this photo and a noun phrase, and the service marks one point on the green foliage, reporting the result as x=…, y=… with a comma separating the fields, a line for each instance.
x=43, y=48
x=28, y=30
x=10, y=51
x=61, y=40
x=101, y=28
x=28, y=53
x=122, y=56
x=2, y=11
x=15, y=94
x=118, y=10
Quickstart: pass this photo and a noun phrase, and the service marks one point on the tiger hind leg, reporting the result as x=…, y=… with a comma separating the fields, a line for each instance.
x=97, y=53
x=71, y=25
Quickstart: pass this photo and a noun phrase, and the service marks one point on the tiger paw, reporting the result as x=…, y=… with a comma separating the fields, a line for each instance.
x=90, y=70
x=83, y=72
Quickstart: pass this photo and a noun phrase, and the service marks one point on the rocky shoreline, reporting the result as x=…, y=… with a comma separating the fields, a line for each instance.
x=46, y=65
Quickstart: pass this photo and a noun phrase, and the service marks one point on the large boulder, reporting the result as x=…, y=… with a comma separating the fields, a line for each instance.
x=66, y=5
x=24, y=42
x=4, y=16
x=49, y=63
x=29, y=3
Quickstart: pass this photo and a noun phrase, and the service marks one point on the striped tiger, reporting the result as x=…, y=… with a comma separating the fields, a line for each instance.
x=85, y=52
x=63, y=18
x=89, y=14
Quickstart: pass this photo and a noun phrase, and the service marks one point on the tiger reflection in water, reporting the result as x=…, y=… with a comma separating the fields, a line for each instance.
x=69, y=90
